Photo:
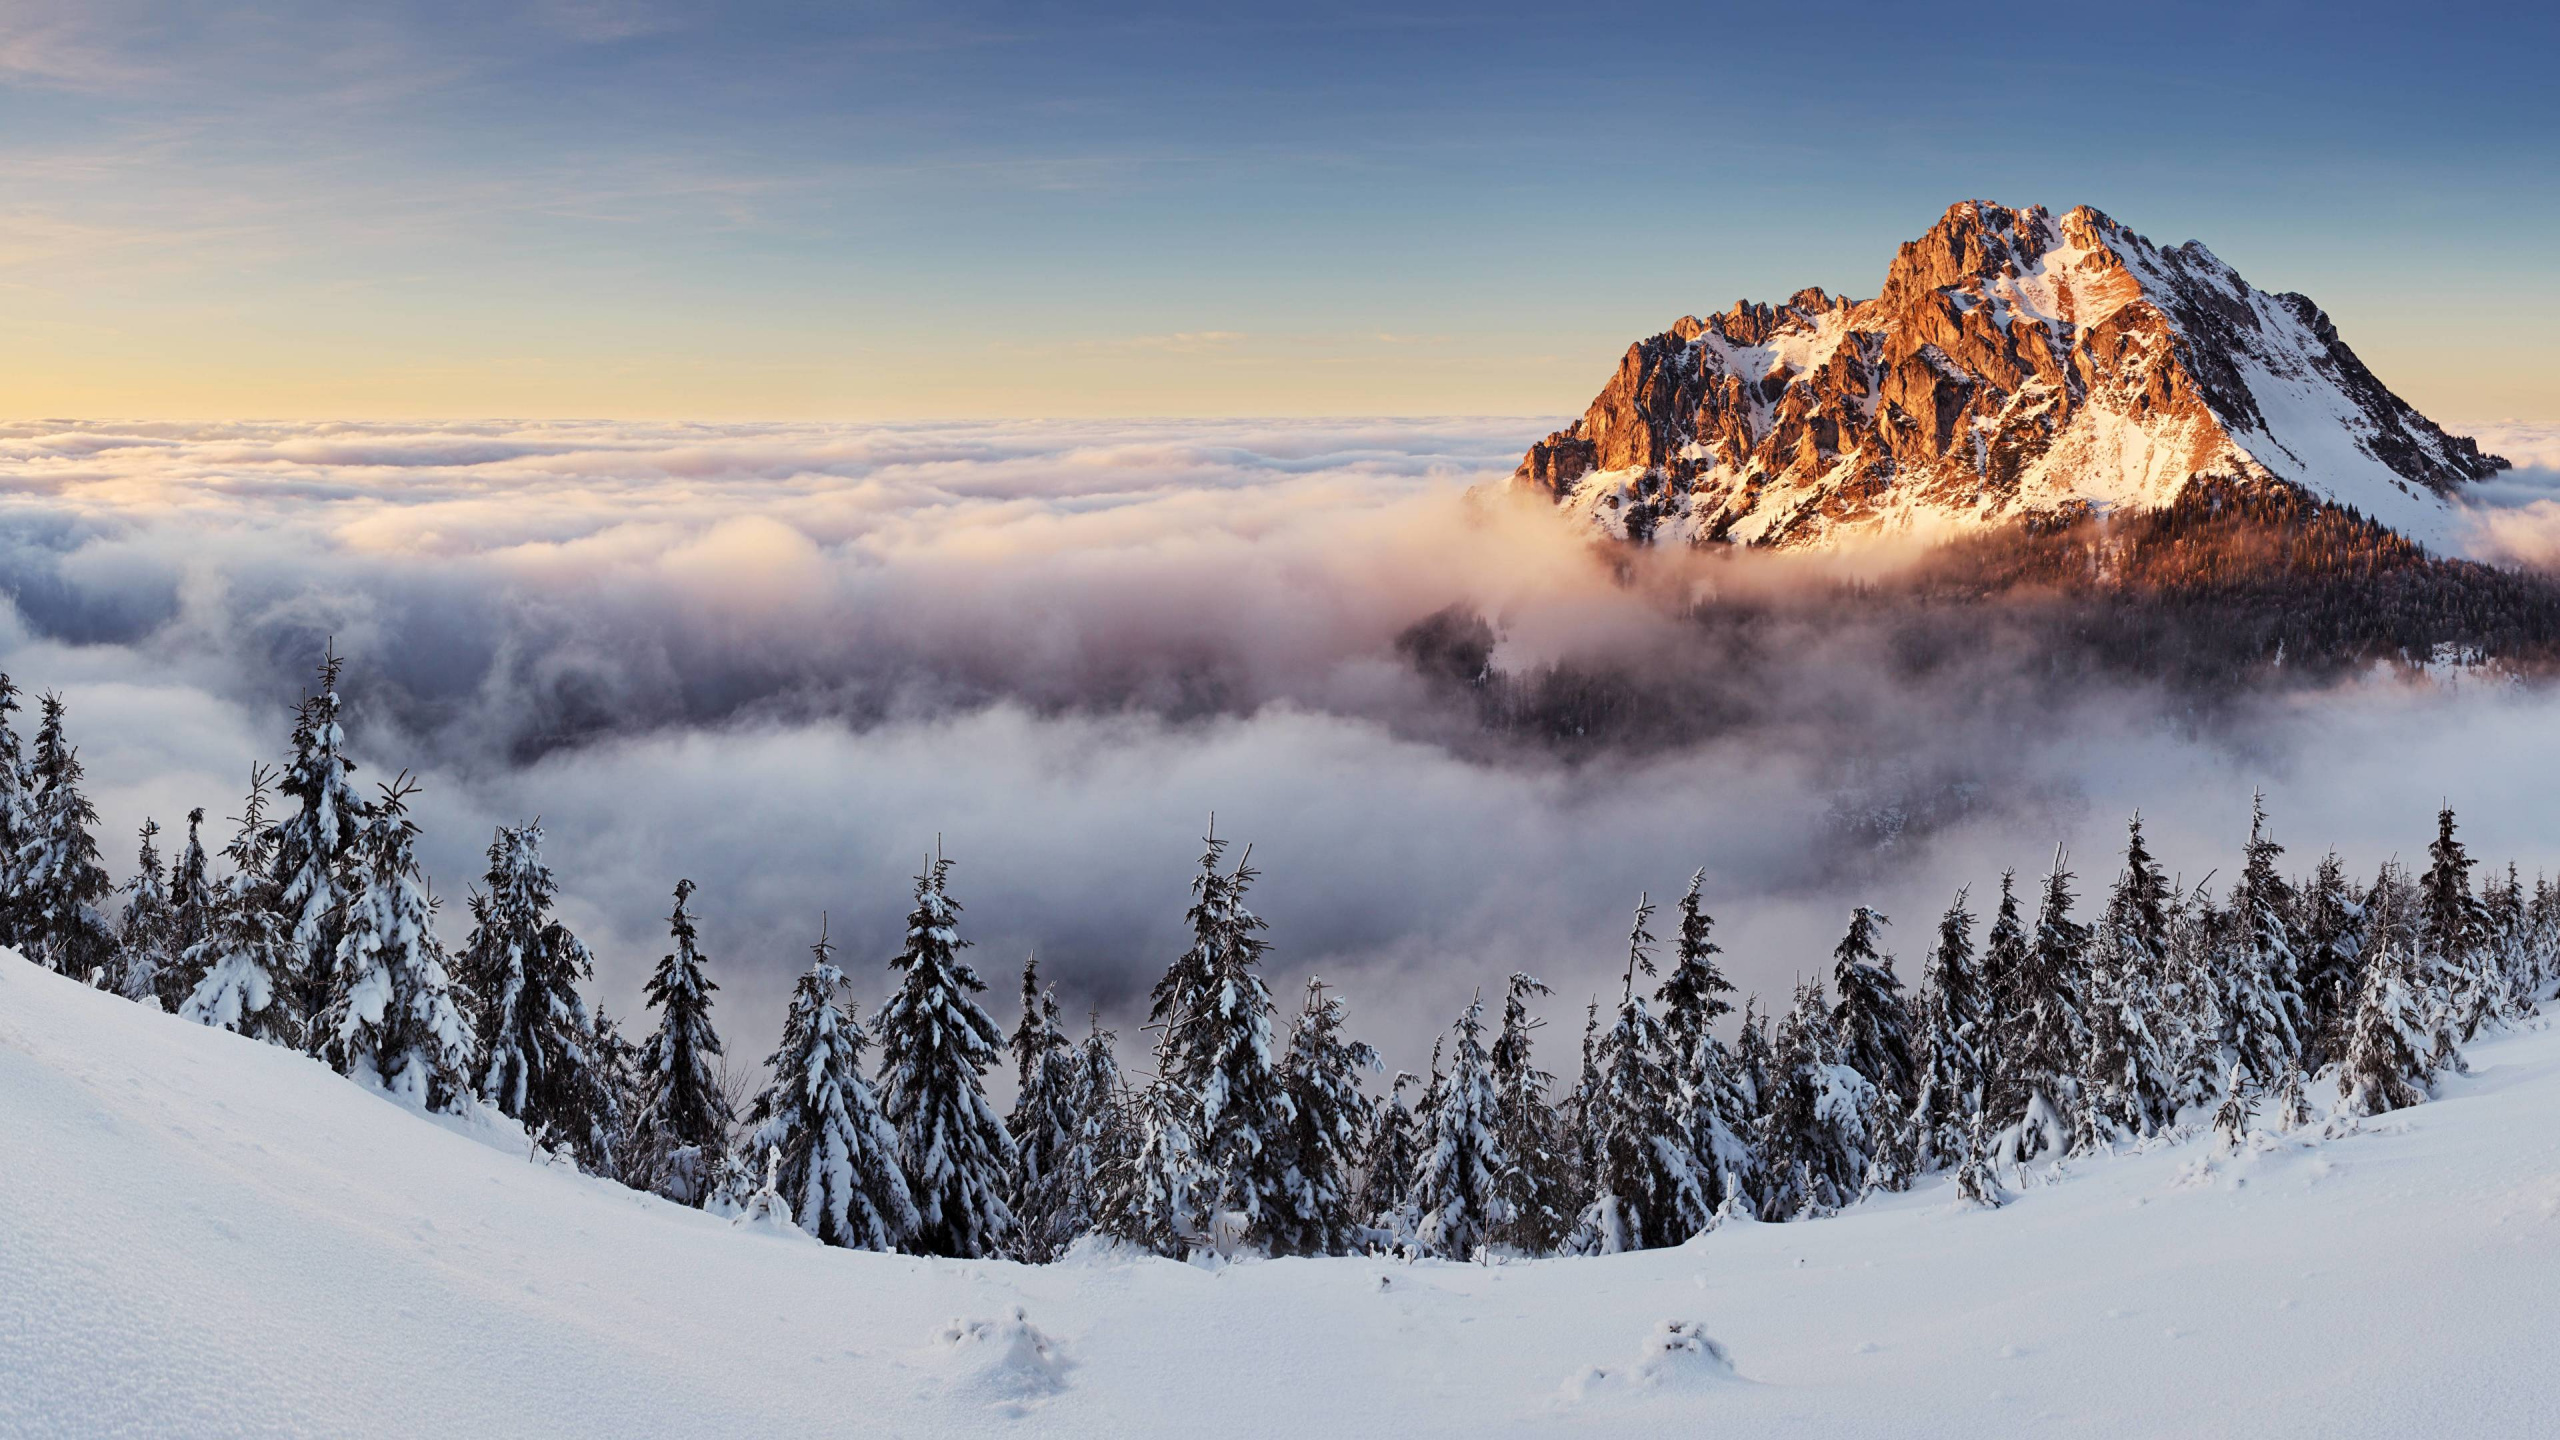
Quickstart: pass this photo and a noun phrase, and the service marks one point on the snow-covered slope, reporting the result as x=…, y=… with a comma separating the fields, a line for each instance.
x=203, y=1236
x=2014, y=364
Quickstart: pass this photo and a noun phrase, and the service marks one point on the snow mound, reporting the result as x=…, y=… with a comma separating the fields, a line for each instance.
x=1008, y=1363
x=1678, y=1355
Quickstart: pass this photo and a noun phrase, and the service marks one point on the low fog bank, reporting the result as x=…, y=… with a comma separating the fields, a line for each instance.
x=782, y=660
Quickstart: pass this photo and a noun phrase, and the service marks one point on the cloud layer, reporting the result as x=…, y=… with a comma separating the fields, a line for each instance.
x=782, y=659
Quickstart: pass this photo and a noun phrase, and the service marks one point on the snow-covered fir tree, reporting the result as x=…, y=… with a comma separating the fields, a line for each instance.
x=1073, y=1202
x=936, y=1042
x=2259, y=1006
x=1819, y=1146
x=618, y=1072
x=2132, y=1078
x=2396, y=936
x=2131, y=1082
x=245, y=957
x=838, y=1170
x=1215, y=1009
x=2507, y=966
x=61, y=886
x=192, y=902
x=523, y=966
x=1874, y=1029
x=1154, y=1191
x=2542, y=940
x=14, y=818
x=1043, y=1122
x=2454, y=931
x=394, y=1021
x=1536, y=1189
x=2390, y=1039
x=2047, y=1033
x=682, y=1118
x=2331, y=924
x=1388, y=1165
x=311, y=846
x=1645, y=1187
x=1714, y=1118
x=1579, y=1113
x=1953, y=1016
x=1977, y=1174
x=1321, y=1073
x=1754, y=1059
x=147, y=937
x=1457, y=1187
x=2004, y=959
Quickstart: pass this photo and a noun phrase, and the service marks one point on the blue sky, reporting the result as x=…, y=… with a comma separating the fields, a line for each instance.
x=886, y=210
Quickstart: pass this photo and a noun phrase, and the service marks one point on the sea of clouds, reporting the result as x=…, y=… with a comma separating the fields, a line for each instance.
x=785, y=660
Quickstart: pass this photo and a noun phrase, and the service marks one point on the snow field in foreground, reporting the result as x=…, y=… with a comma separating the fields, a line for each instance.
x=201, y=1235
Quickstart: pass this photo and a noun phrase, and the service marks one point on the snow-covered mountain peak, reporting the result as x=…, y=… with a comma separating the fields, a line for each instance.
x=2014, y=363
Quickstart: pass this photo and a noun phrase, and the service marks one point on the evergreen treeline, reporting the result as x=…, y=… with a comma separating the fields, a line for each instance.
x=2056, y=1027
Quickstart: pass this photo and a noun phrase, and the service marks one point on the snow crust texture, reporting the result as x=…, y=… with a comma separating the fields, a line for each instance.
x=2015, y=364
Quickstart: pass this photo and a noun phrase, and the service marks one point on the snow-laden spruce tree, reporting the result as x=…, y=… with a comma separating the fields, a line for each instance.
x=394, y=1021
x=2541, y=959
x=1714, y=1118
x=2508, y=966
x=1321, y=1072
x=245, y=957
x=936, y=1042
x=1102, y=1140
x=2404, y=1023
x=1457, y=1187
x=683, y=1119
x=61, y=887
x=1536, y=1189
x=618, y=1076
x=147, y=937
x=1388, y=1165
x=1954, y=1012
x=2259, y=1004
x=1645, y=1187
x=1754, y=1060
x=1977, y=1173
x=2004, y=959
x=838, y=1170
x=1214, y=1009
x=2387, y=1064
x=2134, y=992
x=15, y=817
x=2048, y=1025
x=523, y=966
x=2330, y=920
x=1578, y=1113
x=2131, y=1083
x=1154, y=1191
x=193, y=900
x=1819, y=1139
x=1874, y=1026
x=312, y=845
x=1046, y=1116
x=2454, y=929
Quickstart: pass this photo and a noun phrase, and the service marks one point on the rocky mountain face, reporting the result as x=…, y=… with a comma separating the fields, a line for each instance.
x=2015, y=365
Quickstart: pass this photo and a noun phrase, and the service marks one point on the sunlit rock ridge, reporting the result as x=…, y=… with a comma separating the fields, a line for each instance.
x=2016, y=365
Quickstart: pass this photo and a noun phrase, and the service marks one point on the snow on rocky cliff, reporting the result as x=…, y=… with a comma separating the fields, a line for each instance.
x=201, y=1235
x=2014, y=364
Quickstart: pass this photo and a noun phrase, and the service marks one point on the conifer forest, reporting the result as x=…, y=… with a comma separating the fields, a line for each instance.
x=2075, y=1006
